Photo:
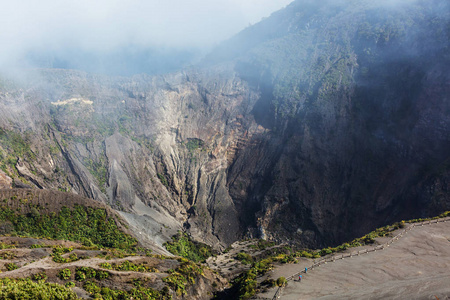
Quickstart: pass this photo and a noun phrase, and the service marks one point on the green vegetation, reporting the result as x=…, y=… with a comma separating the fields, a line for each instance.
x=64, y=274
x=364, y=240
x=163, y=179
x=184, y=275
x=285, y=258
x=6, y=246
x=246, y=283
x=34, y=246
x=443, y=215
x=26, y=289
x=11, y=266
x=40, y=277
x=194, y=144
x=138, y=293
x=262, y=245
x=120, y=253
x=93, y=226
x=128, y=266
x=83, y=273
x=106, y=265
x=244, y=258
x=183, y=246
x=13, y=145
x=281, y=281
x=59, y=251
x=7, y=255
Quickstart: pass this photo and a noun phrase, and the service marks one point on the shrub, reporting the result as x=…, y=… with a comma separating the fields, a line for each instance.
x=130, y=266
x=178, y=282
x=183, y=276
x=40, y=277
x=262, y=245
x=7, y=255
x=183, y=246
x=194, y=144
x=102, y=275
x=135, y=293
x=27, y=289
x=90, y=272
x=84, y=273
x=281, y=281
x=64, y=274
x=246, y=285
x=11, y=266
x=306, y=254
x=73, y=257
x=34, y=246
x=106, y=265
x=244, y=258
x=325, y=251
x=58, y=251
x=263, y=266
x=6, y=246
x=91, y=287
x=79, y=275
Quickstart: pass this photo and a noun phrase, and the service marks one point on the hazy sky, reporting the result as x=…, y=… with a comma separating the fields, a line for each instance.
x=102, y=25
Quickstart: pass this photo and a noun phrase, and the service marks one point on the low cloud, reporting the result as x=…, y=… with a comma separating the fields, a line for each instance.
x=67, y=26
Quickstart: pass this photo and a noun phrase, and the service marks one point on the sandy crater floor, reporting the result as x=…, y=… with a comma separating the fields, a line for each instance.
x=417, y=266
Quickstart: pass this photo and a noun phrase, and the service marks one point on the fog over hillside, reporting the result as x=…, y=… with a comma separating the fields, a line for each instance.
x=121, y=37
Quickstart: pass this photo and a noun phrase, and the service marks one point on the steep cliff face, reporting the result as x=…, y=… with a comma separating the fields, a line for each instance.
x=158, y=147
x=315, y=125
x=358, y=111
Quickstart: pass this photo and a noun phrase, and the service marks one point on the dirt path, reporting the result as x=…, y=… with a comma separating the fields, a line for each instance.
x=151, y=274
x=416, y=266
x=52, y=268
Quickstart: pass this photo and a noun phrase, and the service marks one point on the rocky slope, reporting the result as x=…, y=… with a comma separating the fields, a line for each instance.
x=320, y=123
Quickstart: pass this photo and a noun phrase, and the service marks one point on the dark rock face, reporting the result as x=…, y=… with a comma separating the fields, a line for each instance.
x=324, y=122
